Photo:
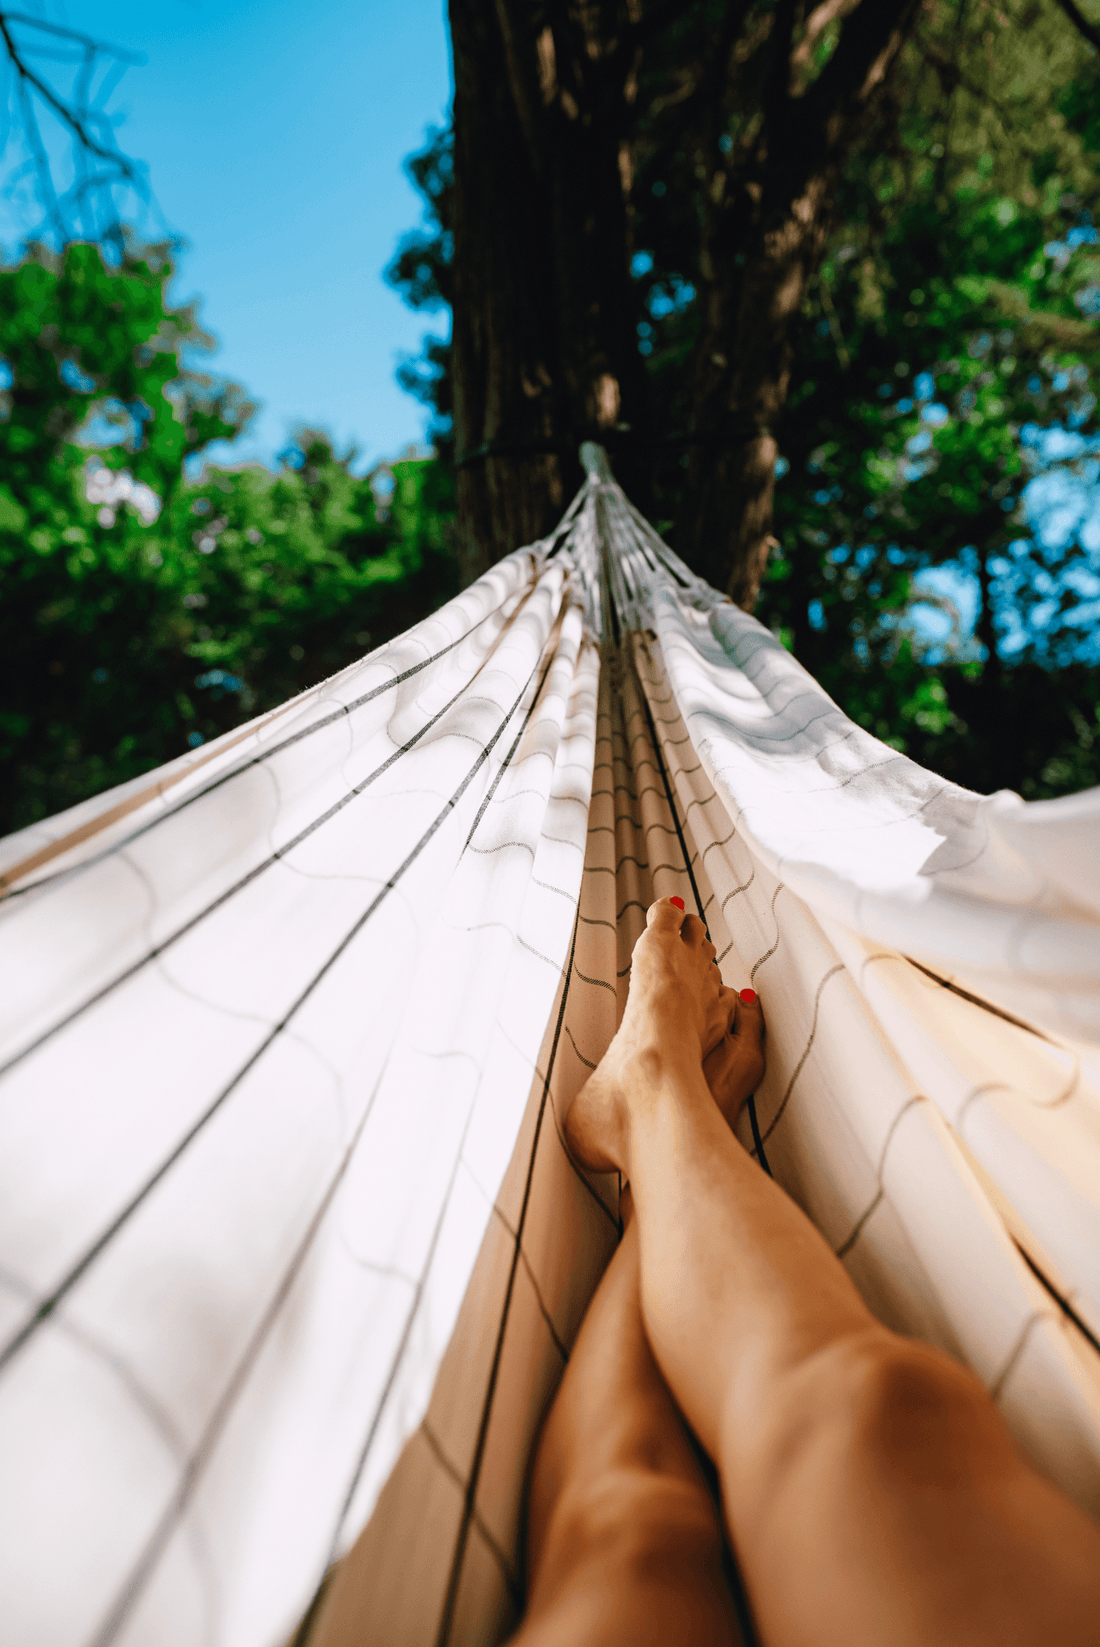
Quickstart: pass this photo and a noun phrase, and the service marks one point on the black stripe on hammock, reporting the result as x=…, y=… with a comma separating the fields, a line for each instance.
x=1059, y=1298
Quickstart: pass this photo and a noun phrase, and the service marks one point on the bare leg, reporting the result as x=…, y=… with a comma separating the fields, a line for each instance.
x=872, y=1491
x=623, y=1539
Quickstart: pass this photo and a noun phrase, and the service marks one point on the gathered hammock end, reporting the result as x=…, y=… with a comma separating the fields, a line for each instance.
x=595, y=463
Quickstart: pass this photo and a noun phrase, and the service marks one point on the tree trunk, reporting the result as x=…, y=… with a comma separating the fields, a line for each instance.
x=545, y=311
x=545, y=342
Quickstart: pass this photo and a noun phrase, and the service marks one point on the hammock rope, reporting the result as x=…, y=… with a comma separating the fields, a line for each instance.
x=291, y=1250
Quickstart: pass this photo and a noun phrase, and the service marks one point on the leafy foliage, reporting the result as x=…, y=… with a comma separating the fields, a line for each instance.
x=944, y=370
x=143, y=609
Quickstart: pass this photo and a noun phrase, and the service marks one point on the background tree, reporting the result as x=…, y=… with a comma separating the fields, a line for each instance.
x=939, y=350
x=146, y=605
x=944, y=366
x=559, y=108
x=544, y=314
x=149, y=601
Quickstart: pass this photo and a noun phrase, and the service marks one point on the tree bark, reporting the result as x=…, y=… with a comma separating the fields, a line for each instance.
x=545, y=316
x=545, y=310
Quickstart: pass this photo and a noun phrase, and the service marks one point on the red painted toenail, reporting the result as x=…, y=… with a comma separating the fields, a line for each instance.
x=679, y=902
x=748, y=996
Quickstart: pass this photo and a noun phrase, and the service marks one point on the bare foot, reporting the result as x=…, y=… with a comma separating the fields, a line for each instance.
x=677, y=1012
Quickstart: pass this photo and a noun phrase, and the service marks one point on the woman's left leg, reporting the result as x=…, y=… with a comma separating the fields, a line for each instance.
x=624, y=1540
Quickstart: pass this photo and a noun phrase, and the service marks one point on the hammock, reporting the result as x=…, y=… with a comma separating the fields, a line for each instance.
x=291, y=1251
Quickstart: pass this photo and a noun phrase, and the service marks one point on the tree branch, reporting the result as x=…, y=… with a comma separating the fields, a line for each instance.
x=74, y=115
x=816, y=24
x=714, y=79
x=65, y=114
x=869, y=42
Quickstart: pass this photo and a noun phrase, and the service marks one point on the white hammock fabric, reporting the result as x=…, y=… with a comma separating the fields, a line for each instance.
x=290, y=1248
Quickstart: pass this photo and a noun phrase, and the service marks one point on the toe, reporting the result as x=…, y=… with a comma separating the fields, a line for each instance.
x=735, y=1065
x=666, y=915
x=747, y=1029
x=694, y=932
x=720, y=1018
x=750, y=1008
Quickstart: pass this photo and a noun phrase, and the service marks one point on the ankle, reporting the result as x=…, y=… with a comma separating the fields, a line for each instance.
x=659, y=1064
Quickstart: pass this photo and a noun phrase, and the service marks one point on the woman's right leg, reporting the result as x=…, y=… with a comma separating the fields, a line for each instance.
x=873, y=1493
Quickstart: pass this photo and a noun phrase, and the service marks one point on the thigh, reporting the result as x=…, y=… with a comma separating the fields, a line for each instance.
x=901, y=1512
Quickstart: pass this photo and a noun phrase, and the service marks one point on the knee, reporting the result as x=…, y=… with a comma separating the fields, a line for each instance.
x=668, y=1523
x=872, y=1407
x=638, y=1521
x=903, y=1407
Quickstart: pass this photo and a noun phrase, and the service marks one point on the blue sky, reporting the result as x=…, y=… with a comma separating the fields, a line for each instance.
x=274, y=137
